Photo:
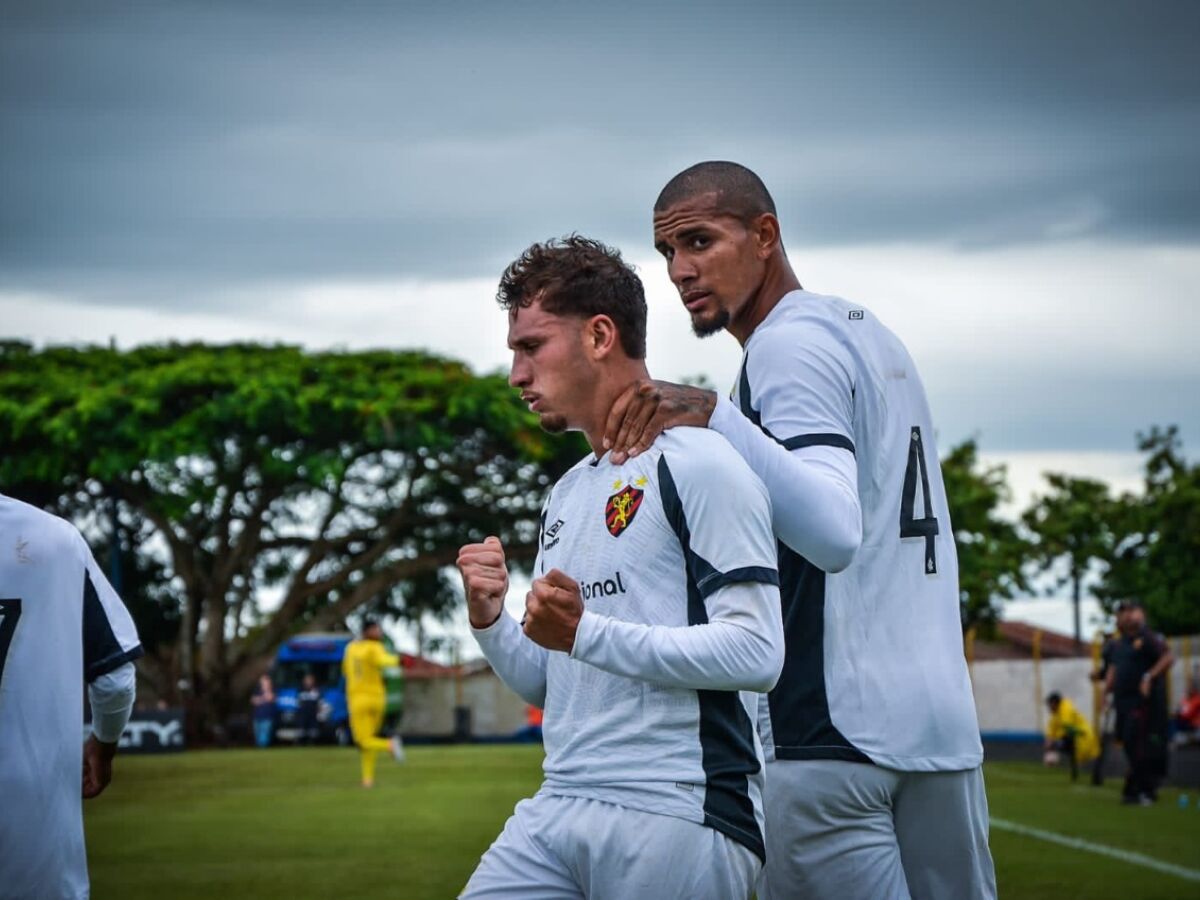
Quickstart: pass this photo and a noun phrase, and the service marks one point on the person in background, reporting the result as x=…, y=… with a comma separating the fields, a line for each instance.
x=1069, y=732
x=1187, y=718
x=1139, y=696
x=308, y=700
x=263, y=701
x=363, y=667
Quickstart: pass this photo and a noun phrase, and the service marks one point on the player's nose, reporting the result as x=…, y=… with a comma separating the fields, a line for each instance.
x=681, y=269
x=518, y=373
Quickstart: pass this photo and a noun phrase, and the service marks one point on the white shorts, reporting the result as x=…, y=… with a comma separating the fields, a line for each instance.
x=860, y=832
x=554, y=848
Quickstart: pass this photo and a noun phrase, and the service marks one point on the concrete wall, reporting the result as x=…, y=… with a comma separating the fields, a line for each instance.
x=1005, y=695
x=429, y=706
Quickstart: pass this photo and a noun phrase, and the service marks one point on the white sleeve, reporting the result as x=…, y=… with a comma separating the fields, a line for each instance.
x=739, y=648
x=520, y=663
x=111, y=697
x=795, y=429
x=110, y=638
x=721, y=515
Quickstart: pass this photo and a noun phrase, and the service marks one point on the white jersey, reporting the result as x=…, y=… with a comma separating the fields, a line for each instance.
x=648, y=712
x=875, y=668
x=61, y=624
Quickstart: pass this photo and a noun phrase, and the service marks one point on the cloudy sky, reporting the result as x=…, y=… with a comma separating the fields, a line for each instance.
x=1013, y=187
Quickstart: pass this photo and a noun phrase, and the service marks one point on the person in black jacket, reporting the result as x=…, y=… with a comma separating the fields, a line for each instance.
x=1138, y=660
x=308, y=700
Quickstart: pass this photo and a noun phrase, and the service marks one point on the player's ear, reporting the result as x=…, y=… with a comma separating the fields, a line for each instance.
x=600, y=337
x=766, y=235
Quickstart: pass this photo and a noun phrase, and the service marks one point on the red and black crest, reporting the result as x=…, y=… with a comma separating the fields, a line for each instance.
x=621, y=508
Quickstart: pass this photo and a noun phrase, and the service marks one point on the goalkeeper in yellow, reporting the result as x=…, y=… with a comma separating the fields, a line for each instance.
x=1069, y=732
x=366, y=698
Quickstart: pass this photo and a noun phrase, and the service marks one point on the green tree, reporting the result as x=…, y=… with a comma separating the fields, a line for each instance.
x=320, y=482
x=991, y=551
x=1072, y=525
x=1157, y=539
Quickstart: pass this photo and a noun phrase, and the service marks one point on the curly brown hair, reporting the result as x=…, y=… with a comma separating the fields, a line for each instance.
x=577, y=276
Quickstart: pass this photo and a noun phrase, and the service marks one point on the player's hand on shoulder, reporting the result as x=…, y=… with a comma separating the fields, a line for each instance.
x=647, y=408
x=553, y=608
x=97, y=766
x=485, y=580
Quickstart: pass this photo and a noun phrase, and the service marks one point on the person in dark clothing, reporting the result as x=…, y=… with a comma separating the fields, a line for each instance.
x=308, y=702
x=1137, y=662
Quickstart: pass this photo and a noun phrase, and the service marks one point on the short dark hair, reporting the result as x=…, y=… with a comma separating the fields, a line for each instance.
x=578, y=276
x=1054, y=698
x=739, y=191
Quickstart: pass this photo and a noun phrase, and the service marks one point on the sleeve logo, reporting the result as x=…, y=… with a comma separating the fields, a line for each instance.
x=855, y=315
x=621, y=508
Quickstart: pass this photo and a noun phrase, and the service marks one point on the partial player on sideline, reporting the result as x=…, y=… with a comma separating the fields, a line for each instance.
x=366, y=697
x=61, y=626
x=653, y=620
x=876, y=789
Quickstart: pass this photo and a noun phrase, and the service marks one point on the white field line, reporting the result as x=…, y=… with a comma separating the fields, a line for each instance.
x=1128, y=856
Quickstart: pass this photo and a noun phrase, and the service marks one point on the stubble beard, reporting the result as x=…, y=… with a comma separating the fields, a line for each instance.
x=708, y=327
x=553, y=423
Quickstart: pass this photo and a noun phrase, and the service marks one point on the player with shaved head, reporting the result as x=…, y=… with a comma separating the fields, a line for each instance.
x=874, y=785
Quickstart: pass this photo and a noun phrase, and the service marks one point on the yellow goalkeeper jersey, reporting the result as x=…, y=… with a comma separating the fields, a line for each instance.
x=1069, y=719
x=363, y=667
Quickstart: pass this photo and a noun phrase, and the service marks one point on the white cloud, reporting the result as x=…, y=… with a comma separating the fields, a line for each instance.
x=1032, y=348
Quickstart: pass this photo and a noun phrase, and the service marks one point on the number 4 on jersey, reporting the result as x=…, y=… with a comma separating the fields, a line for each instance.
x=927, y=526
x=10, y=611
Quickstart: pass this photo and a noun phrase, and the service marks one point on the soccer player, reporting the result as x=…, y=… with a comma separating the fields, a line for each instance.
x=876, y=788
x=363, y=666
x=61, y=625
x=651, y=623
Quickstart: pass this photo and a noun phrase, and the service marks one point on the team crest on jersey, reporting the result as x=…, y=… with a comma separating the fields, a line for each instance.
x=621, y=508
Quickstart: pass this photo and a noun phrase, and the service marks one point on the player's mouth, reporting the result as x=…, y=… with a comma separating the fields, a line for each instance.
x=533, y=401
x=693, y=300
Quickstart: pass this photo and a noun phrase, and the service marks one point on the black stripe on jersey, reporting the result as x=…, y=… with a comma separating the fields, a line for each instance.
x=830, y=439
x=800, y=722
x=726, y=732
x=760, y=574
x=818, y=440
x=102, y=652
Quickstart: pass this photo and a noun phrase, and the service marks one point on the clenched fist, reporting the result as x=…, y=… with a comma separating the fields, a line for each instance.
x=553, y=609
x=485, y=580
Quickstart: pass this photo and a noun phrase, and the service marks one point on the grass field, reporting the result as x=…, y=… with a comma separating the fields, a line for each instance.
x=292, y=823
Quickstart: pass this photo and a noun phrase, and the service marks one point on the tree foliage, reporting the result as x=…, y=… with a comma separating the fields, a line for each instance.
x=992, y=552
x=324, y=482
x=1072, y=524
x=1156, y=553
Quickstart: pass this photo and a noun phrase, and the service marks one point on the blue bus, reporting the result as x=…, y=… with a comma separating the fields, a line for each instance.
x=320, y=655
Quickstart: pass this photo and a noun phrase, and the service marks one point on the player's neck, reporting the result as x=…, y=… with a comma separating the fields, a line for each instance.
x=778, y=282
x=612, y=382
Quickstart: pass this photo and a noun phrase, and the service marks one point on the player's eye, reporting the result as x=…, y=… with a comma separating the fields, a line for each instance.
x=698, y=241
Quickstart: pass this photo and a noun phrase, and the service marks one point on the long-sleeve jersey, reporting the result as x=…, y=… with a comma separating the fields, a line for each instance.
x=830, y=412
x=61, y=625
x=654, y=707
x=363, y=666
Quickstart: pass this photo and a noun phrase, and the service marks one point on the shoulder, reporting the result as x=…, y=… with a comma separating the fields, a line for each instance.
x=806, y=329
x=700, y=459
x=43, y=531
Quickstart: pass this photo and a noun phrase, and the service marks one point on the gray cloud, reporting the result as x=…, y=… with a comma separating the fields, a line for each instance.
x=161, y=150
